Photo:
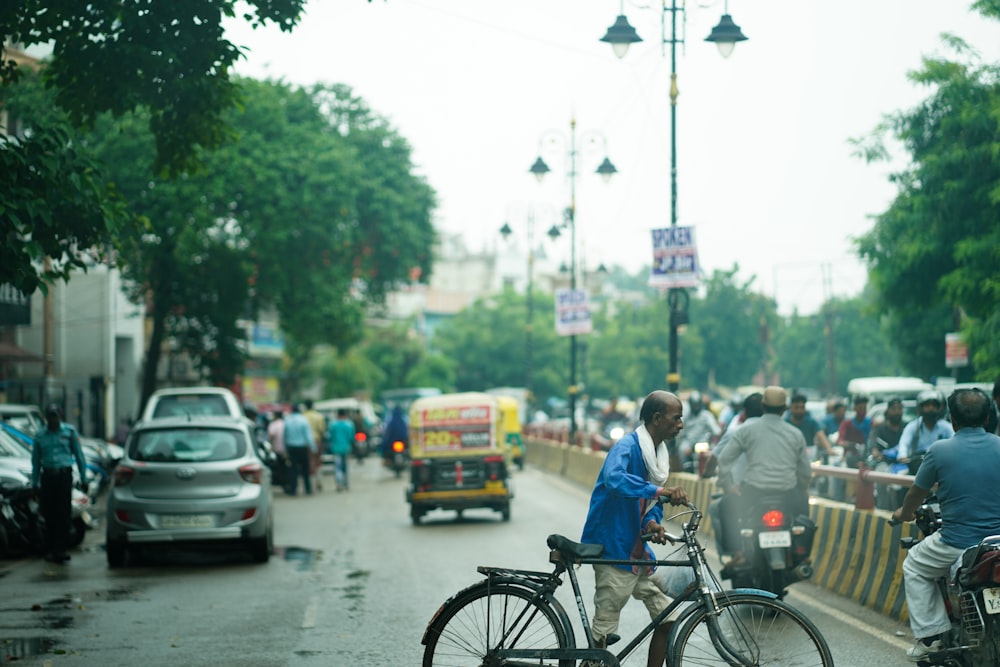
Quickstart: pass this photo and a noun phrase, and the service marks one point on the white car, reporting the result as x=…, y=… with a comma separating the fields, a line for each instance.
x=192, y=402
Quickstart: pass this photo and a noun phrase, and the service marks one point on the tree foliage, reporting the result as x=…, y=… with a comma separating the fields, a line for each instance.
x=934, y=254
x=292, y=214
x=170, y=59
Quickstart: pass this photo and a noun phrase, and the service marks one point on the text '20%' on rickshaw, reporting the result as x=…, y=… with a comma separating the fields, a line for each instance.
x=458, y=455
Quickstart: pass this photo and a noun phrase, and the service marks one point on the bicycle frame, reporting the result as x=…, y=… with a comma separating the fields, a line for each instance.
x=699, y=591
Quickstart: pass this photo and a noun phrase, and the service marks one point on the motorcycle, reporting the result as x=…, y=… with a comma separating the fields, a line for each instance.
x=776, y=547
x=971, y=594
x=22, y=528
x=396, y=458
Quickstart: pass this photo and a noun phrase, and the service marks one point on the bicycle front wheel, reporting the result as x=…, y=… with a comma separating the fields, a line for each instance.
x=484, y=618
x=759, y=629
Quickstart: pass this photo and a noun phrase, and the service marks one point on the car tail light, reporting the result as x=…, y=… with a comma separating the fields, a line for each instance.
x=398, y=446
x=252, y=472
x=248, y=514
x=123, y=516
x=122, y=476
x=773, y=518
x=360, y=437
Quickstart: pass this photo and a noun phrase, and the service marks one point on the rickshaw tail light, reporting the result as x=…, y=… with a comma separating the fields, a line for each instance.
x=493, y=467
x=360, y=437
x=398, y=446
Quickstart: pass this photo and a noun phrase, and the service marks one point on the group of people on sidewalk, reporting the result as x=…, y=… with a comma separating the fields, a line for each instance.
x=301, y=438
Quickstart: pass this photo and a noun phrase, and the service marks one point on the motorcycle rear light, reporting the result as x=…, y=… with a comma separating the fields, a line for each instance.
x=252, y=472
x=398, y=446
x=360, y=437
x=773, y=518
x=122, y=476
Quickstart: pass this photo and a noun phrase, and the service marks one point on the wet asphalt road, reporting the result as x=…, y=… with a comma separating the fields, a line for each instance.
x=352, y=583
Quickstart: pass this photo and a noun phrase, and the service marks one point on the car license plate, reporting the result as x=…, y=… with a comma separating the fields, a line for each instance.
x=991, y=600
x=775, y=538
x=186, y=521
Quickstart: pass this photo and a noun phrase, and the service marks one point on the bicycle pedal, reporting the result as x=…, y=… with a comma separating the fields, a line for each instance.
x=613, y=639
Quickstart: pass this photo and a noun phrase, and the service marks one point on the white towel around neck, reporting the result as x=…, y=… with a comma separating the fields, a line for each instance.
x=656, y=457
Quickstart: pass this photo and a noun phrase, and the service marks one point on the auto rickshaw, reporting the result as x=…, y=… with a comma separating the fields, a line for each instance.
x=458, y=455
x=509, y=408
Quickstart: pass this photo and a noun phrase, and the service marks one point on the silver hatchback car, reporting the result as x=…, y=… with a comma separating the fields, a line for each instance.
x=190, y=480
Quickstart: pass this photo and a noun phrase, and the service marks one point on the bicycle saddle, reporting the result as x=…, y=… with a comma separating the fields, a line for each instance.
x=574, y=550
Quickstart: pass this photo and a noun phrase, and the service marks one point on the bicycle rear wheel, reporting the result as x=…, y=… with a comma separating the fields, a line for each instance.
x=762, y=630
x=486, y=617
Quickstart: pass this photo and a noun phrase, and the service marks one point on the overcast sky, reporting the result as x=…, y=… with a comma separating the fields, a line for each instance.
x=765, y=171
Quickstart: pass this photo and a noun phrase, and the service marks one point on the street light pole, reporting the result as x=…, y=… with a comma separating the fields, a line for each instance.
x=505, y=232
x=606, y=170
x=725, y=35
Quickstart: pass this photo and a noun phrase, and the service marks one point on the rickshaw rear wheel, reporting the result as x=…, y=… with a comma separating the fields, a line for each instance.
x=505, y=512
x=416, y=515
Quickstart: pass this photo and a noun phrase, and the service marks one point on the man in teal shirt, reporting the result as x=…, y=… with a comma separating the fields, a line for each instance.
x=340, y=435
x=56, y=449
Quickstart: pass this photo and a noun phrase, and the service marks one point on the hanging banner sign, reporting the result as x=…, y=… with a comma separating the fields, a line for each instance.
x=572, y=312
x=956, y=352
x=675, y=258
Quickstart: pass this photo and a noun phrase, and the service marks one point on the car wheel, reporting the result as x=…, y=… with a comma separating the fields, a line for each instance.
x=261, y=547
x=116, y=552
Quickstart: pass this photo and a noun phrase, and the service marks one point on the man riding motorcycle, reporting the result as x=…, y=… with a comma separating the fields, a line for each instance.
x=923, y=431
x=965, y=468
x=776, y=460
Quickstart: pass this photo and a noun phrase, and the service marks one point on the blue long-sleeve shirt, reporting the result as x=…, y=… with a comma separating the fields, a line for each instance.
x=298, y=432
x=615, y=518
x=57, y=449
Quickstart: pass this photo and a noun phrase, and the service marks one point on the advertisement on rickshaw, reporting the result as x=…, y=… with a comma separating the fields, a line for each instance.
x=456, y=428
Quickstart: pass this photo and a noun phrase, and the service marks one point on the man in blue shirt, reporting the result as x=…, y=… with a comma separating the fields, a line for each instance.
x=56, y=450
x=299, y=441
x=965, y=468
x=622, y=507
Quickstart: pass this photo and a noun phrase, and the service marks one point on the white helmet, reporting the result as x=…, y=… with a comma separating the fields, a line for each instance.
x=929, y=395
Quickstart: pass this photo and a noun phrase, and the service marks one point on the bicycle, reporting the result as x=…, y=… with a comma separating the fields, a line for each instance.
x=513, y=619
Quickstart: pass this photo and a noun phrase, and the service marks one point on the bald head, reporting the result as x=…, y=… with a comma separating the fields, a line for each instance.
x=657, y=401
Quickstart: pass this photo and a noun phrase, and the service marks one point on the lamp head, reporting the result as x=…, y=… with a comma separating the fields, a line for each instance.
x=621, y=35
x=506, y=231
x=607, y=170
x=539, y=168
x=725, y=35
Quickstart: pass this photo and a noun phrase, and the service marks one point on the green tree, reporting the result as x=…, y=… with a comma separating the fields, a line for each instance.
x=170, y=59
x=934, y=255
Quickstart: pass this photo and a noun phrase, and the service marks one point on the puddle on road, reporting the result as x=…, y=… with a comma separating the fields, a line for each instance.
x=302, y=556
x=12, y=650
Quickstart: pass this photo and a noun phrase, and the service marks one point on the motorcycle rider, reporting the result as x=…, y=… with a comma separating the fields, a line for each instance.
x=965, y=468
x=776, y=460
x=700, y=425
x=923, y=431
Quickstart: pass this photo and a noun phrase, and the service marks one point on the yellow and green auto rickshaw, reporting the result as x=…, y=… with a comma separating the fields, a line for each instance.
x=510, y=409
x=458, y=455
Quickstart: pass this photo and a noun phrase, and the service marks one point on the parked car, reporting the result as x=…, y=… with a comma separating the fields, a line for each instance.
x=192, y=401
x=15, y=462
x=199, y=481
x=27, y=418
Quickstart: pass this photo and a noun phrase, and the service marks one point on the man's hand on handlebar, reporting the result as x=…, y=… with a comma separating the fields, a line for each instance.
x=899, y=517
x=654, y=532
x=675, y=494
